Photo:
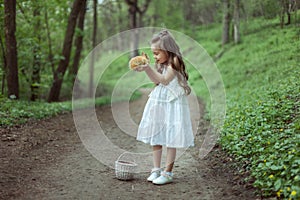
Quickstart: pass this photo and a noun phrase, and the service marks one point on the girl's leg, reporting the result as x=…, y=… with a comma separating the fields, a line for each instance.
x=171, y=155
x=167, y=176
x=157, y=151
x=155, y=172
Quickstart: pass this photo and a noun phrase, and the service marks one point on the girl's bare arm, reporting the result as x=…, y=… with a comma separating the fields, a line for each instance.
x=156, y=77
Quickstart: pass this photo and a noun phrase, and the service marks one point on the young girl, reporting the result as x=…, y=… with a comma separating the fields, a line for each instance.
x=166, y=118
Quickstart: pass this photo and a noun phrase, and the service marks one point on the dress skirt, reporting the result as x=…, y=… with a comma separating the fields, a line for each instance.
x=166, y=121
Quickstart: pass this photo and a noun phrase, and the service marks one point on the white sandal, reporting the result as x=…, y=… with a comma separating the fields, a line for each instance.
x=165, y=177
x=155, y=173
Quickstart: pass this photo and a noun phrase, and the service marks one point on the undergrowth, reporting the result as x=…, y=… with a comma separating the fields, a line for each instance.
x=262, y=125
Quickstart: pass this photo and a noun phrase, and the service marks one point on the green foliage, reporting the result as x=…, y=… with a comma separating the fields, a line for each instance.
x=15, y=112
x=265, y=131
x=267, y=8
x=18, y=112
x=32, y=40
x=185, y=16
x=261, y=130
x=110, y=24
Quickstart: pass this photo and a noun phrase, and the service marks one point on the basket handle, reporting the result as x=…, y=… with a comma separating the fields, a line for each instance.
x=122, y=155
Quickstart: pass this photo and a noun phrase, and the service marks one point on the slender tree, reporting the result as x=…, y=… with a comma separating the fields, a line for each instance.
x=11, y=48
x=78, y=41
x=4, y=66
x=226, y=22
x=289, y=10
x=133, y=10
x=35, y=76
x=141, y=11
x=120, y=22
x=236, y=22
x=287, y=7
x=63, y=64
x=91, y=80
x=49, y=41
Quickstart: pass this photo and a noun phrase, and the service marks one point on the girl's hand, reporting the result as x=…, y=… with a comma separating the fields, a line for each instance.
x=141, y=68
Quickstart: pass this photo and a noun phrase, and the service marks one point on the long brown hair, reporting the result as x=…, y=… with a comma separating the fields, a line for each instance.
x=165, y=41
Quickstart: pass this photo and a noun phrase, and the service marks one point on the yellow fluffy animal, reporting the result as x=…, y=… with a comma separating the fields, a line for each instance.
x=139, y=60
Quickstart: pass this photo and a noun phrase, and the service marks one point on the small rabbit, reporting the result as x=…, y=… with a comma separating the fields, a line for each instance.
x=139, y=60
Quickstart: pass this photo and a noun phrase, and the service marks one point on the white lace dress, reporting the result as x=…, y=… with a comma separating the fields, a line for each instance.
x=166, y=119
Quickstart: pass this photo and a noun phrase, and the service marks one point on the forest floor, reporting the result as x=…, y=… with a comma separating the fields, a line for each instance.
x=46, y=160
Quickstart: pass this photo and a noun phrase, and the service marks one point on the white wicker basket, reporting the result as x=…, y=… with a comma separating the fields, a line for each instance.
x=125, y=170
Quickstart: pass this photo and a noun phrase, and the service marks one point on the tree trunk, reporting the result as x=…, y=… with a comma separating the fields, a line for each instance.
x=50, y=54
x=142, y=11
x=78, y=42
x=63, y=64
x=11, y=48
x=236, y=20
x=285, y=10
x=226, y=22
x=4, y=66
x=289, y=18
x=289, y=5
x=293, y=8
x=91, y=81
x=261, y=7
x=120, y=22
x=35, y=76
x=132, y=11
x=282, y=14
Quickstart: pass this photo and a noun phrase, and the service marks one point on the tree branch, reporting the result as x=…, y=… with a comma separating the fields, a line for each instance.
x=145, y=7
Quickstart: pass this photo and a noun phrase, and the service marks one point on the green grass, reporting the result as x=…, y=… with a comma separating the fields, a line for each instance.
x=262, y=125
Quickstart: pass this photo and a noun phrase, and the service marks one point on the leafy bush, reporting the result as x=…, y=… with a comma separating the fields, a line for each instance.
x=262, y=123
x=14, y=112
x=265, y=134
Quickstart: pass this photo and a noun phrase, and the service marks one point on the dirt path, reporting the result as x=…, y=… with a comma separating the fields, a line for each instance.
x=46, y=160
